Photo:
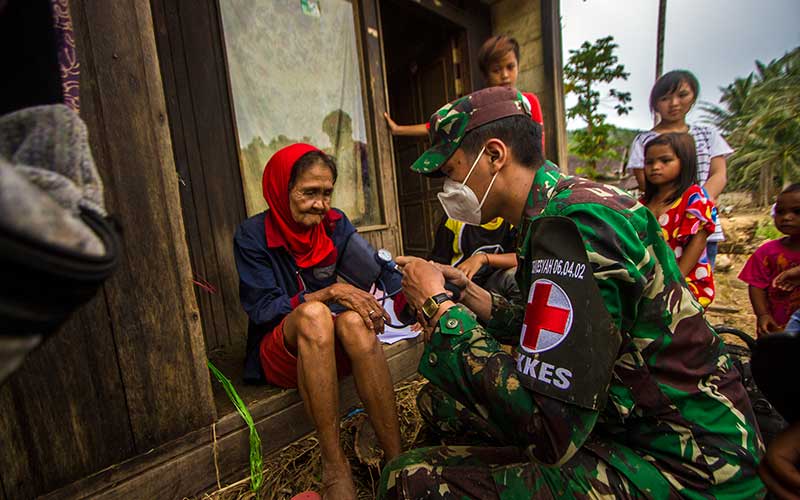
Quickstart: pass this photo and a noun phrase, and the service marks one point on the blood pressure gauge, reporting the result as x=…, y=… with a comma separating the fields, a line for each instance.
x=384, y=258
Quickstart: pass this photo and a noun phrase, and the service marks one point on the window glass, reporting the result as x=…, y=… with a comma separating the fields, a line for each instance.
x=296, y=77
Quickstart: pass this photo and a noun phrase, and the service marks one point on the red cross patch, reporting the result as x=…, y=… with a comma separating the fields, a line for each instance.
x=548, y=317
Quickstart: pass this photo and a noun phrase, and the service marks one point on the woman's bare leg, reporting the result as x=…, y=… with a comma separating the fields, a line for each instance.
x=372, y=378
x=309, y=332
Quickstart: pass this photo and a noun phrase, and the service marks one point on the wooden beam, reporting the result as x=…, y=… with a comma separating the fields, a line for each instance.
x=64, y=407
x=151, y=302
x=192, y=62
x=185, y=467
x=555, y=114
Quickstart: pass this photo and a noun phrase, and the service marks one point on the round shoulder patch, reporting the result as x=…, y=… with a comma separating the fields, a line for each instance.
x=548, y=317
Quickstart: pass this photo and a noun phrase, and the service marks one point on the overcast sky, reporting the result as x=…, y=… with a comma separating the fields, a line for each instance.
x=718, y=40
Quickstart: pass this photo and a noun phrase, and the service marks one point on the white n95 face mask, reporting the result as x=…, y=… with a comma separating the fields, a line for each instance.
x=460, y=202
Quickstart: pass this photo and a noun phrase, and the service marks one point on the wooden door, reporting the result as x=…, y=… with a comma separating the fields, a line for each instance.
x=429, y=55
x=428, y=88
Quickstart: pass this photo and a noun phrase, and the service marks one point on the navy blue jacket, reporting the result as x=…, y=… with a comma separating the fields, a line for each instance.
x=271, y=285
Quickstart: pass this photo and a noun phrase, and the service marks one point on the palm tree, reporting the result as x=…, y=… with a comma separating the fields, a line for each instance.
x=760, y=115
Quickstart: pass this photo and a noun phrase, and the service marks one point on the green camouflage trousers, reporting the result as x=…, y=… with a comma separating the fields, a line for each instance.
x=488, y=472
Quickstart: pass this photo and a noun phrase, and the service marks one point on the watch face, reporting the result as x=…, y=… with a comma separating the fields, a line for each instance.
x=429, y=308
x=384, y=255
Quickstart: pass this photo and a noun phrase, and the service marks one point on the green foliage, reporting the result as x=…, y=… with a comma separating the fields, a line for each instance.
x=589, y=66
x=766, y=230
x=760, y=115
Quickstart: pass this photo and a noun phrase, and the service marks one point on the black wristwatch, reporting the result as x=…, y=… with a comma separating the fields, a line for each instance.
x=431, y=306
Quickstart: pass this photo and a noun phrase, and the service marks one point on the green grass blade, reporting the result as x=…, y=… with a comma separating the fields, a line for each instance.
x=256, y=462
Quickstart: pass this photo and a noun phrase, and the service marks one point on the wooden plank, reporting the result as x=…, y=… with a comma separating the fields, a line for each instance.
x=370, y=39
x=186, y=467
x=475, y=21
x=555, y=124
x=173, y=68
x=219, y=155
x=151, y=302
x=206, y=155
x=63, y=408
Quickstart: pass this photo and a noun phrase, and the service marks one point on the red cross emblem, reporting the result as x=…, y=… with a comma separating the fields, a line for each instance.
x=548, y=317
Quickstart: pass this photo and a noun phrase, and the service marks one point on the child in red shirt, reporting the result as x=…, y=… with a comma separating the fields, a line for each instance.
x=773, y=305
x=498, y=59
x=683, y=209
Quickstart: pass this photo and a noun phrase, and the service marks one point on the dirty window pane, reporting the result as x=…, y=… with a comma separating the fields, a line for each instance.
x=296, y=77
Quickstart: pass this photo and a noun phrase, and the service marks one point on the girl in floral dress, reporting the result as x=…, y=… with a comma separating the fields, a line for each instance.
x=682, y=207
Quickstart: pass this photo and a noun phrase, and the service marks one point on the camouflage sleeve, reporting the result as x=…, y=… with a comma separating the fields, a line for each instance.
x=462, y=360
x=506, y=320
x=616, y=245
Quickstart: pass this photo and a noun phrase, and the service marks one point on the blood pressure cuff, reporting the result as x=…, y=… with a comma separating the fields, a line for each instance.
x=358, y=265
x=568, y=343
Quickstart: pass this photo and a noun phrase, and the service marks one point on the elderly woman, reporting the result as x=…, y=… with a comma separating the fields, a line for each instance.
x=287, y=263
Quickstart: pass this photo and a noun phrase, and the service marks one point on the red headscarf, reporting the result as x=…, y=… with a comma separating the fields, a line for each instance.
x=308, y=245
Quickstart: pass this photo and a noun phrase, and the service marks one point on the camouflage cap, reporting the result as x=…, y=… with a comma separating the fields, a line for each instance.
x=450, y=124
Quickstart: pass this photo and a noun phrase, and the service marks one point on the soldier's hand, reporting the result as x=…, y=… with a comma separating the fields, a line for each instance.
x=421, y=279
x=453, y=275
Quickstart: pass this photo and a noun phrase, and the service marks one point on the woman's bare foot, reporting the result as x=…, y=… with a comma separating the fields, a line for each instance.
x=337, y=482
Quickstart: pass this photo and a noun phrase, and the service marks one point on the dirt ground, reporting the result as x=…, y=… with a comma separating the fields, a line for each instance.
x=297, y=468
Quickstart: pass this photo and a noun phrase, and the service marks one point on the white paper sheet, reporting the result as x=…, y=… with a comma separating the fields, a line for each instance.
x=391, y=335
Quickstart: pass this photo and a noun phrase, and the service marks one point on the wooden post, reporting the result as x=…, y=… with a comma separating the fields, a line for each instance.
x=662, y=19
x=555, y=114
x=152, y=306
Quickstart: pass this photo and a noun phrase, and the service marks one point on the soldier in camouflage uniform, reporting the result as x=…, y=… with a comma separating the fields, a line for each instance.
x=619, y=389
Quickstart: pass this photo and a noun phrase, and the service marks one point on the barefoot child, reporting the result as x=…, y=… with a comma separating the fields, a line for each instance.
x=773, y=301
x=682, y=208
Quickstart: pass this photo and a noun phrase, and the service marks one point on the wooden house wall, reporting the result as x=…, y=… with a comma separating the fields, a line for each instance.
x=191, y=49
x=192, y=61
x=127, y=373
x=536, y=25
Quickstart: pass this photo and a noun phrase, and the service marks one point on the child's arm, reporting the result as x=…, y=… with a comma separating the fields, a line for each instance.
x=692, y=252
x=788, y=279
x=473, y=264
x=501, y=260
x=418, y=130
x=765, y=323
x=717, y=177
x=639, y=174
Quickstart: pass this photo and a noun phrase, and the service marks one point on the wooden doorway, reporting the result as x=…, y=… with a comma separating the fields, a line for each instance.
x=430, y=60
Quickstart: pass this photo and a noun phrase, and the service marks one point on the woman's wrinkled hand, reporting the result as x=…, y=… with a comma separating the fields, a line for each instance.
x=364, y=303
